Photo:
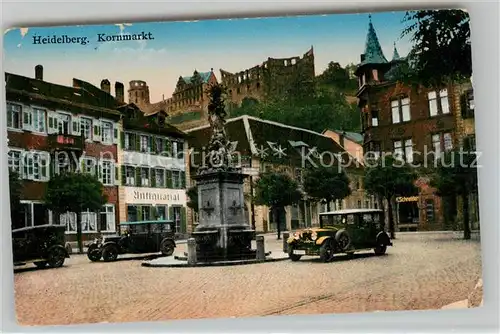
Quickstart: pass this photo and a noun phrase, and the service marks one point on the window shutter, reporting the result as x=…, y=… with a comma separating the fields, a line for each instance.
x=169, y=179
x=122, y=140
x=139, y=213
x=82, y=165
x=76, y=126
x=117, y=175
x=152, y=174
x=137, y=142
x=124, y=175
x=53, y=122
x=152, y=141
x=138, y=176
x=171, y=214
x=183, y=220
x=96, y=135
x=116, y=134
x=183, y=180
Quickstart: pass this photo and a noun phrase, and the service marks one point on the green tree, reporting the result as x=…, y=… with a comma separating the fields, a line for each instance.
x=15, y=187
x=75, y=192
x=192, y=194
x=387, y=178
x=326, y=183
x=338, y=77
x=441, y=49
x=456, y=175
x=276, y=191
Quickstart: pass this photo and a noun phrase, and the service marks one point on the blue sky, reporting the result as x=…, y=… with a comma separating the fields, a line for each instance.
x=181, y=47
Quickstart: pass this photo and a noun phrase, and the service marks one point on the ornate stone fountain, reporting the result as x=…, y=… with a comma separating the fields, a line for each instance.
x=223, y=232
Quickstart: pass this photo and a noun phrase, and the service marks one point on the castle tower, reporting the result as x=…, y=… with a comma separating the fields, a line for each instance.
x=395, y=54
x=373, y=62
x=138, y=93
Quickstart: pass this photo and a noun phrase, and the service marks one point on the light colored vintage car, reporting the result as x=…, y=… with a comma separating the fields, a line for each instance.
x=343, y=231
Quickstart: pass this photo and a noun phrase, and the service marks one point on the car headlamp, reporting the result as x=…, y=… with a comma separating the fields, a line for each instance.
x=296, y=236
x=314, y=236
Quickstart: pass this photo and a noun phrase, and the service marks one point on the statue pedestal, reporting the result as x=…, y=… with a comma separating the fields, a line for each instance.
x=223, y=232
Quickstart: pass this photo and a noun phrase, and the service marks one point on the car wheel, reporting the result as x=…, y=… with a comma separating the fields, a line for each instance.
x=93, y=253
x=56, y=257
x=293, y=257
x=167, y=247
x=380, y=250
x=343, y=240
x=110, y=253
x=327, y=250
x=41, y=264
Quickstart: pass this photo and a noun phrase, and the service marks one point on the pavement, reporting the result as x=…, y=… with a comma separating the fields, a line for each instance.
x=422, y=271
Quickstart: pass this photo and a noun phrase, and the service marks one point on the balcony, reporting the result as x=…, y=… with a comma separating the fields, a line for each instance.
x=65, y=142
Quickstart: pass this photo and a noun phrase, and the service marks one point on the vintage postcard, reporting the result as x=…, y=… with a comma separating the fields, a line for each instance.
x=242, y=167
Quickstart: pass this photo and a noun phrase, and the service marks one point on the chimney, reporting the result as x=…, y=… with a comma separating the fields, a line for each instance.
x=119, y=92
x=106, y=86
x=39, y=72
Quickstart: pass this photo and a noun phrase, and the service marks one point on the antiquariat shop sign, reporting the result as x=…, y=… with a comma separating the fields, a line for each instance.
x=407, y=199
x=155, y=196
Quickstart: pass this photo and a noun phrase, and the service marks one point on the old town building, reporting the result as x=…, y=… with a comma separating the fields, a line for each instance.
x=153, y=168
x=52, y=128
x=416, y=124
x=271, y=78
x=266, y=146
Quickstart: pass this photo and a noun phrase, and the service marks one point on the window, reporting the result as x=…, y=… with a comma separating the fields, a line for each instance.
x=400, y=109
x=441, y=142
x=374, y=117
x=374, y=150
x=176, y=179
x=107, y=169
x=107, y=219
x=68, y=219
x=89, y=166
x=469, y=143
x=35, y=214
x=14, y=116
x=129, y=141
x=89, y=222
x=144, y=144
x=146, y=212
x=36, y=166
x=15, y=160
x=34, y=120
x=174, y=149
x=63, y=163
x=403, y=149
x=177, y=218
x=438, y=102
x=86, y=127
x=145, y=177
x=129, y=176
x=160, y=178
x=429, y=210
x=161, y=212
x=107, y=132
x=160, y=145
x=131, y=213
x=467, y=104
x=63, y=123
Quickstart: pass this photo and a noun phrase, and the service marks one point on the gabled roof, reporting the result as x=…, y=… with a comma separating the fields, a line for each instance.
x=273, y=142
x=373, y=51
x=84, y=95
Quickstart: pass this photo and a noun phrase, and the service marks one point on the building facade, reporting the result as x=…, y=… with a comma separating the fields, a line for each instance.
x=53, y=128
x=415, y=124
x=265, y=146
x=153, y=169
x=271, y=78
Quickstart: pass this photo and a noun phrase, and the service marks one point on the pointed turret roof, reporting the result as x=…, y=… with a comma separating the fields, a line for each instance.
x=373, y=51
x=395, y=54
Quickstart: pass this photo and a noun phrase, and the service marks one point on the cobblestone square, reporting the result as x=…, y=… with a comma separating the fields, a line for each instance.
x=421, y=271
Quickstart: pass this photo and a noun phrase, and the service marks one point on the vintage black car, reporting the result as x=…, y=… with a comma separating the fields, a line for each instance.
x=136, y=238
x=343, y=231
x=42, y=245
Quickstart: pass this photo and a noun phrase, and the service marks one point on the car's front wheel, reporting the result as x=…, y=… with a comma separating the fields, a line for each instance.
x=110, y=253
x=327, y=250
x=293, y=257
x=41, y=264
x=93, y=253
